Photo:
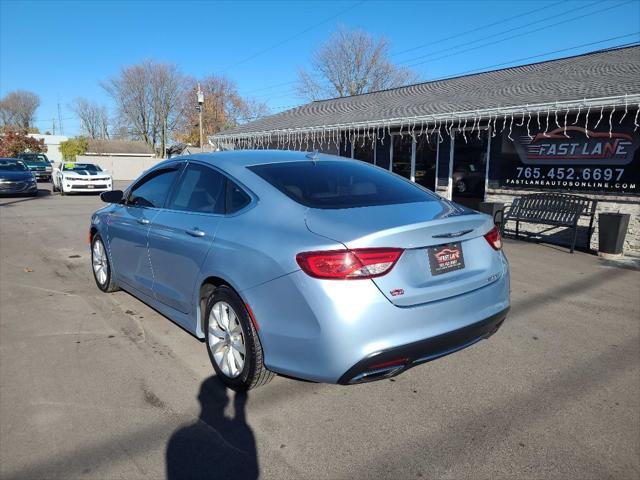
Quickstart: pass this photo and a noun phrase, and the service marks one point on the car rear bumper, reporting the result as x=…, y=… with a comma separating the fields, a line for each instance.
x=394, y=361
x=329, y=331
x=42, y=176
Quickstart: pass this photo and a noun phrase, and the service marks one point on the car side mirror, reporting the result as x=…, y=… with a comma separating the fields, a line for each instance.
x=114, y=196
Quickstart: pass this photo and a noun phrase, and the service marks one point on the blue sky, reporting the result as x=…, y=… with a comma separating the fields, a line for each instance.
x=62, y=49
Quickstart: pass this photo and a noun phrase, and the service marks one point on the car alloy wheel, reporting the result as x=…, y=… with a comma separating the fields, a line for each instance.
x=226, y=339
x=101, y=267
x=232, y=341
x=99, y=260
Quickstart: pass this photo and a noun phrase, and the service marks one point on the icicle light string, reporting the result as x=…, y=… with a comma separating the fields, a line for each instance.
x=599, y=119
x=586, y=122
x=452, y=124
x=626, y=107
x=546, y=127
x=635, y=119
x=577, y=115
x=510, y=128
x=555, y=116
x=611, y=120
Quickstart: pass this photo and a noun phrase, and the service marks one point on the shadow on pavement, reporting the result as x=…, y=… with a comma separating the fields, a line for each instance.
x=214, y=446
x=12, y=199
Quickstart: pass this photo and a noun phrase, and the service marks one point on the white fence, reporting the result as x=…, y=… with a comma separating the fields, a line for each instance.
x=121, y=168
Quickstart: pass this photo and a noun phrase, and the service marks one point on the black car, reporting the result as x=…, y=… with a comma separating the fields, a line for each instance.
x=38, y=163
x=16, y=178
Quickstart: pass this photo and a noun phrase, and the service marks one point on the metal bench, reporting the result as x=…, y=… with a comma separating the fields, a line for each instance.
x=553, y=209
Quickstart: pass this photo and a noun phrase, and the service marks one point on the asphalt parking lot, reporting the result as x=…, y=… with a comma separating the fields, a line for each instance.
x=100, y=386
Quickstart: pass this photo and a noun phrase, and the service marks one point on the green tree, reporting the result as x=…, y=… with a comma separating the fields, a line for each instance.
x=73, y=147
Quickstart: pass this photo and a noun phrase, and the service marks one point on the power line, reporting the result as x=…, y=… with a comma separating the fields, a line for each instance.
x=407, y=62
x=451, y=37
x=530, y=57
x=544, y=27
x=288, y=39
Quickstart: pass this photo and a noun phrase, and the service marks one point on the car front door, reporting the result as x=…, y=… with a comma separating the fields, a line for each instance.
x=182, y=234
x=128, y=227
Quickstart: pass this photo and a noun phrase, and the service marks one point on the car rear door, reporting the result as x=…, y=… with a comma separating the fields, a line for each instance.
x=182, y=234
x=129, y=223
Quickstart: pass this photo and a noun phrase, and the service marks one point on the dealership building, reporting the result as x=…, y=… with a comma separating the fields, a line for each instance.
x=569, y=125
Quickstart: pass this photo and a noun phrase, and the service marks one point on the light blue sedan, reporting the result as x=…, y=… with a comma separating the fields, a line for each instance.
x=303, y=264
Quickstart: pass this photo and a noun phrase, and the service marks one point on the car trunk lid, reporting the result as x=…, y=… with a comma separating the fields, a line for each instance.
x=417, y=227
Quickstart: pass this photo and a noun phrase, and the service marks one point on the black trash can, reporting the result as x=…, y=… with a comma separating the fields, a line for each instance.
x=612, y=228
x=495, y=209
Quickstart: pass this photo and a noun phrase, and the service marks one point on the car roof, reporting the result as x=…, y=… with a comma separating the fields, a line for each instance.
x=247, y=158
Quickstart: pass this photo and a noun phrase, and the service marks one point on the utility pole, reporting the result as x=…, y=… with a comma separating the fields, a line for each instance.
x=60, y=118
x=199, y=108
x=53, y=122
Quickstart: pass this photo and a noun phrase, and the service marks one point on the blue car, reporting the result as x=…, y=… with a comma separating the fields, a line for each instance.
x=302, y=264
x=16, y=178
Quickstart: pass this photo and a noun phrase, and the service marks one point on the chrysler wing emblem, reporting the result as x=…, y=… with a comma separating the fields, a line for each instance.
x=453, y=234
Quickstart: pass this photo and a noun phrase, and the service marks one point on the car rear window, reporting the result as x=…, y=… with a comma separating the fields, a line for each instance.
x=339, y=184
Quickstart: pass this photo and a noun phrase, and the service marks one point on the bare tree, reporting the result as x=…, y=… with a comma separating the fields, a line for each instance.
x=148, y=99
x=94, y=119
x=351, y=62
x=18, y=109
x=223, y=108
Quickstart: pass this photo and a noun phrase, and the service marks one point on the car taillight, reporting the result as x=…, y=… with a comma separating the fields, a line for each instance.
x=349, y=264
x=494, y=239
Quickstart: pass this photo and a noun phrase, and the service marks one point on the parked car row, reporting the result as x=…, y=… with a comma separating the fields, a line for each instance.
x=19, y=176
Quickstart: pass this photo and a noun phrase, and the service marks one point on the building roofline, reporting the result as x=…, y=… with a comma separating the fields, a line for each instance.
x=455, y=77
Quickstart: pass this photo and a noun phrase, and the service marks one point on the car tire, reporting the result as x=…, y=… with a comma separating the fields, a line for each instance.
x=224, y=343
x=101, y=266
x=461, y=186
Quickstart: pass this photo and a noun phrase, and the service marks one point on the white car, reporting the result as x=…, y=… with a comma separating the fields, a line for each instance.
x=80, y=177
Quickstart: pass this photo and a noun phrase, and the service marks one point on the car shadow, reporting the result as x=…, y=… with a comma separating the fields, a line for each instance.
x=13, y=199
x=215, y=445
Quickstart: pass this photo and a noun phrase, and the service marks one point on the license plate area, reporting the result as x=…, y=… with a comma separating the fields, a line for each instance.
x=445, y=258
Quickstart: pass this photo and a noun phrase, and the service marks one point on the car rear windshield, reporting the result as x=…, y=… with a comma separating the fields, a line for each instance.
x=34, y=158
x=337, y=184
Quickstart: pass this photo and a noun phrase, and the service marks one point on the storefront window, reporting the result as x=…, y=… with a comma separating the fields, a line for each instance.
x=345, y=146
x=363, y=150
x=426, y=157
x=402, y=155
x=383, y=148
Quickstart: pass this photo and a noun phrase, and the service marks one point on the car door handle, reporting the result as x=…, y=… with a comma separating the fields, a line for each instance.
x=196, y=232
x=143, y=221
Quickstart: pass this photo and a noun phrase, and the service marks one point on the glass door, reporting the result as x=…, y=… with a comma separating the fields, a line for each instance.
x=469, y=168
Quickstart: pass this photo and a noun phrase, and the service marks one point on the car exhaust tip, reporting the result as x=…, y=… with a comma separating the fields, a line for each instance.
x=377, y=374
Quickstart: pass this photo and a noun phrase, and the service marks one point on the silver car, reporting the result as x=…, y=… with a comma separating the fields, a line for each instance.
x=307, y=265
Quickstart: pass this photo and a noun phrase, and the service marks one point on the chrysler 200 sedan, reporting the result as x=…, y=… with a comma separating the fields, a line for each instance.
x=303, y=264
